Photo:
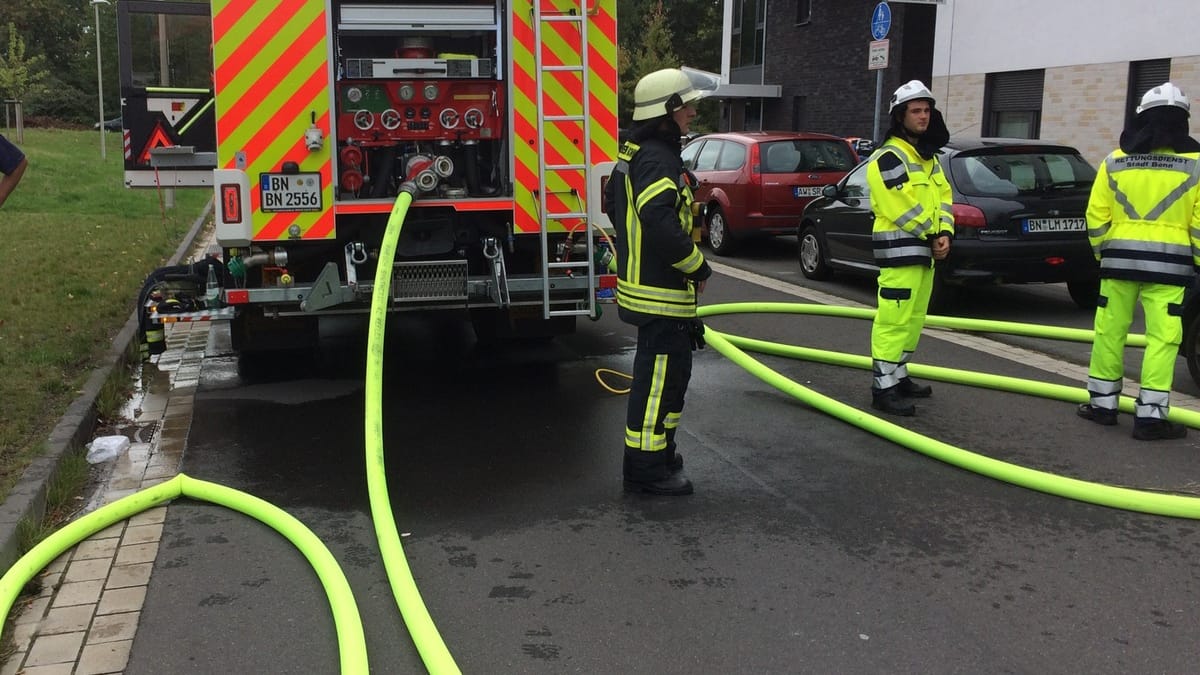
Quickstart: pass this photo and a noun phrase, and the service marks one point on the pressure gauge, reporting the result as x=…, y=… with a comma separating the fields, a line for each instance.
x=430, y=92
x=354, y=94
x=406, y=92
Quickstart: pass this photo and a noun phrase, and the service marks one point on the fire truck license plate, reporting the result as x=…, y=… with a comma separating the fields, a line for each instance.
x=290, y=191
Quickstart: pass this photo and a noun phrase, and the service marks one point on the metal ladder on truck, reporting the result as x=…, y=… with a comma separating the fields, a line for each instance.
x=577, y=17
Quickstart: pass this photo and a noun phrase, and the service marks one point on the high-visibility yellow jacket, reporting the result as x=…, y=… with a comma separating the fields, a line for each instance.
x=1144, y=217
x=649, y=199
x=911, y=200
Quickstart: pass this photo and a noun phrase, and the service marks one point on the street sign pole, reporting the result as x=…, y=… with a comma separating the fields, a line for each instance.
x=878, y=99
x=881, y=22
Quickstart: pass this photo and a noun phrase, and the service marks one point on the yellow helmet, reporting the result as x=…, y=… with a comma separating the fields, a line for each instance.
x=665, y=91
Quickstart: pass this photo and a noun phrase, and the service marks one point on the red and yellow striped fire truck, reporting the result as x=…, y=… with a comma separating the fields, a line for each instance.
x=305, y=116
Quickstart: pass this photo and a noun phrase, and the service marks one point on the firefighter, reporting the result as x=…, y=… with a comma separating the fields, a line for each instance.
x=660, y=273
x=1143, y=222
x=910, y=199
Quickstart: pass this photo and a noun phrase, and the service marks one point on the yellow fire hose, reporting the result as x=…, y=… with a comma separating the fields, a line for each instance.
x=351, y=644
x=1095, y=493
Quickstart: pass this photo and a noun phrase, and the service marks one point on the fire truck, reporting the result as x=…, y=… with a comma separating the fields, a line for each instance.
x=305, y=116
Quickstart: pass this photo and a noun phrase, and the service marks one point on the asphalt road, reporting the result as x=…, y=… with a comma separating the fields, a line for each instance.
x=810, y=546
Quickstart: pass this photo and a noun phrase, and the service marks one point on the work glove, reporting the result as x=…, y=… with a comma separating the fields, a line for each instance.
x=696, y=330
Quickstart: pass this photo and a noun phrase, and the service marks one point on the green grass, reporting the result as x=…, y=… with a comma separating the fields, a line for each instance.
x=75, y=246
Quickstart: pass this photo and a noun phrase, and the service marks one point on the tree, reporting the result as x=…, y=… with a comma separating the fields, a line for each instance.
x=20, y=78
x=689, y=35
x=653, y=52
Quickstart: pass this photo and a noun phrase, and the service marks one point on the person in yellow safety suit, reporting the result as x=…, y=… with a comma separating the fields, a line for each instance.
x=910, y=199
x=660, y=273
x=1144, y=225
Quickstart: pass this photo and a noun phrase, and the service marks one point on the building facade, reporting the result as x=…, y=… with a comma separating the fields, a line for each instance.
x=1063, y=70
x=802, y=65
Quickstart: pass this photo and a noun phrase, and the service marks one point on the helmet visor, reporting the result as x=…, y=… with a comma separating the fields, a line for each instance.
x=703, y=83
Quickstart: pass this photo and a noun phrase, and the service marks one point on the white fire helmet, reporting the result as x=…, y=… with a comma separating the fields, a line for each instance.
x=1164, y=94
x=910, y=91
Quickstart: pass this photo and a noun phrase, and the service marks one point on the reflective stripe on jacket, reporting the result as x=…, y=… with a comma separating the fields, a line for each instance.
x=911, y=200
x=1144, y=217
x=650, y=201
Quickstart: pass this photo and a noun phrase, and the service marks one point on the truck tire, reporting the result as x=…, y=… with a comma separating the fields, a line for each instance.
x=264, y=344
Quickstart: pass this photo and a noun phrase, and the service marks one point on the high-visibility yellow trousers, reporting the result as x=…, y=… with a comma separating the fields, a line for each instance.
x=1162, y=305
x=903, y=300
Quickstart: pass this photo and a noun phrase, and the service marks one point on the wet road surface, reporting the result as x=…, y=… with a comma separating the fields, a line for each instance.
x=809, y=547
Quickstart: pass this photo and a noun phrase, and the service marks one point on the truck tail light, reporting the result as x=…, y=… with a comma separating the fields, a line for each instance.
x=231, y=202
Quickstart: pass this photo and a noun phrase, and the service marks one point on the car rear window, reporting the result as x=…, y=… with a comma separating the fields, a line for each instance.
x=800, y=155
x=1005, y=174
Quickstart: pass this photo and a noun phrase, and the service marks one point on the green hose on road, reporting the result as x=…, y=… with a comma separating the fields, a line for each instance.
x=1095, y=493
x=352, y=646
x=420, y=625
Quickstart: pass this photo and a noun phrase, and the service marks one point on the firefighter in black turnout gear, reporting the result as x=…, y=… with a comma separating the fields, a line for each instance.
x=660, y=273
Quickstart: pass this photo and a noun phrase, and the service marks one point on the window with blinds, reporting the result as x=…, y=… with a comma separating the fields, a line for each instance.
x=1013, y=104
x=1144, y=76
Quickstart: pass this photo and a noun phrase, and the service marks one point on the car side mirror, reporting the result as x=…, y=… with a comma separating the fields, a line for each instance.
x=830, y=191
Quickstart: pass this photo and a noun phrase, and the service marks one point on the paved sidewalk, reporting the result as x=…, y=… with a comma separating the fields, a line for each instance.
x=85, y=617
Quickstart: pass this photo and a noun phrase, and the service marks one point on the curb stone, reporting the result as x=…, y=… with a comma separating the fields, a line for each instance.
x=28, y=497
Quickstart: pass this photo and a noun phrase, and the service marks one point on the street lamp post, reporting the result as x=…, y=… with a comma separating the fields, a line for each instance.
x=100, y=73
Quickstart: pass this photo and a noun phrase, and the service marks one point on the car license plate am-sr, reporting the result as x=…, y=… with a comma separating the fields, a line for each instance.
x=290, y=191
x=1039, y=225
x=798, y=191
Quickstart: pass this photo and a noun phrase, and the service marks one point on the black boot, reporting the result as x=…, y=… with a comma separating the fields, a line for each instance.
x=674, y=459
x=1098, y=415
x=650, y=473
x=1145, y=429
x=910, y=389
x=889, y=401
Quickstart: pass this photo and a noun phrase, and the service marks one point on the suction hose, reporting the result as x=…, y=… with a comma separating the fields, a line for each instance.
x=416, y=617
x=1129, y=499
x=351, y=644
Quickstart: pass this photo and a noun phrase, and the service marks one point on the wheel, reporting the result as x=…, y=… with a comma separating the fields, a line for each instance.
x=720, y=239
x=812, y=254
x=944, y=294
x=1084, y=292
x=1191, y=347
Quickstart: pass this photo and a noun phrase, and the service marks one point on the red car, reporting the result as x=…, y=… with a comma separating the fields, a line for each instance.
x=756, y=183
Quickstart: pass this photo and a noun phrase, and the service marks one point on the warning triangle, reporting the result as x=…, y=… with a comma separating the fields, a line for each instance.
x=158, y=139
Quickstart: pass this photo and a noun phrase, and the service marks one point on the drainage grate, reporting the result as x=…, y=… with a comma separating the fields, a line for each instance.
x=436, y=280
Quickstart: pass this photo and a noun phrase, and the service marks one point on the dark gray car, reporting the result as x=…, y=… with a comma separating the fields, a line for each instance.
x=1019, y=209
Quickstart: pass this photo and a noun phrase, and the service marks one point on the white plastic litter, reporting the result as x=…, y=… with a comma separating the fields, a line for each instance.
x=105, y=448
